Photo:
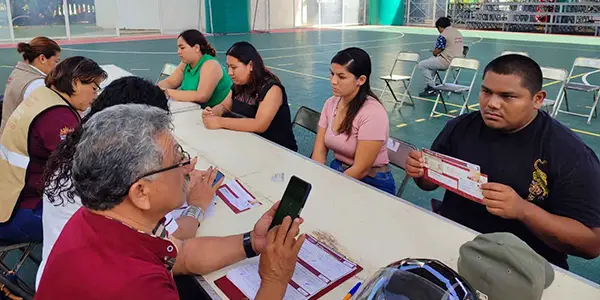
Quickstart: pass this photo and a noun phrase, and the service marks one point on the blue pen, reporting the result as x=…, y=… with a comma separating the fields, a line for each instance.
x=352, y=291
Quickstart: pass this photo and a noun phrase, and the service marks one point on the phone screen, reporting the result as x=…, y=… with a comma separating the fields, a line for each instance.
x=218, y=177
x=293, y=200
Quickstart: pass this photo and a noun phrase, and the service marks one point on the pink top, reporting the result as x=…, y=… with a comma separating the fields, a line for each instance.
x=370, y=124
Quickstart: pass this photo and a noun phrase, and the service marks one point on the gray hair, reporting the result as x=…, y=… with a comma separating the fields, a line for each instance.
x=117, y=146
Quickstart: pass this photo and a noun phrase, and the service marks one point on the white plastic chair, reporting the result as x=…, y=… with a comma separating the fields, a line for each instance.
x=592, y=64
x=554, y=74
x=402, y=57
x=167, y=70
x=454, y=88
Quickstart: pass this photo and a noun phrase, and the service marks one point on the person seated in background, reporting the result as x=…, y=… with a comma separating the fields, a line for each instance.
x=354, y=124
x=543, y=180
x=60, y=200
x=258, y=102
x=449, y=45
x=130, y=172
x=40, y=56
x=199, y=77
x=32, y=132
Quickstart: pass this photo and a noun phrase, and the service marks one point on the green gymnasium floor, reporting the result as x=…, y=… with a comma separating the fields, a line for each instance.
x=301, y=60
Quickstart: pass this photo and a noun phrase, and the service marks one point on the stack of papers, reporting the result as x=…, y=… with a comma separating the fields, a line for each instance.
x=236, y=196
x=318, y=270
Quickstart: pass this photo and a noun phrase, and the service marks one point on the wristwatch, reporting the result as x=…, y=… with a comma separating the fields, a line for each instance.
x=248, y=246
x=194, y=212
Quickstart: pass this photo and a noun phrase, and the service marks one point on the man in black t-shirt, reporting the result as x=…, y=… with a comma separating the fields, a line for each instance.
x=543, y=180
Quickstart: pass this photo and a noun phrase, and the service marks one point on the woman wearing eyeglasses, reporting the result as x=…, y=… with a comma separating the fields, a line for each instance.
x=60, y=201
x=354, y=124
x=32, y=132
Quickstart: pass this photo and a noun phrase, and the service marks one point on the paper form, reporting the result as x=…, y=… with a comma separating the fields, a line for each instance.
x=455, y=175
x=317, y=268
x=236, y=197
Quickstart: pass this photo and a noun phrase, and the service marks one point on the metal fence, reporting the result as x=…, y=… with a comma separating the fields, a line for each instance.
x=547, y=17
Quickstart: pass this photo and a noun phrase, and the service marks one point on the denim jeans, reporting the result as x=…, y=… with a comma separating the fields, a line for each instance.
x=24, y=226
x=383, y=181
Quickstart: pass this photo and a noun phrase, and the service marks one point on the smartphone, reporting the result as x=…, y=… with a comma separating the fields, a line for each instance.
x=293, y=200
x=218, y=177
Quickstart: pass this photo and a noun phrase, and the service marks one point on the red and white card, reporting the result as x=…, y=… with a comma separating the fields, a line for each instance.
x=319, y=269
x=236, y=196
x=458, y=176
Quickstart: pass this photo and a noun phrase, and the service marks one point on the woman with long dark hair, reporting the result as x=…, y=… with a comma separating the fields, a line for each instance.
x=258, y=102
x=354, y=124
x=199, y=77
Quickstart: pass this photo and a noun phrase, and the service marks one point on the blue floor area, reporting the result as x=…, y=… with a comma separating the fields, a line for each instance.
x=301, y=60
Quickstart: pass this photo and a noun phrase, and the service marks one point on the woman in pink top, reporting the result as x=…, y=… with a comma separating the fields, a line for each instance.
x=354, y=124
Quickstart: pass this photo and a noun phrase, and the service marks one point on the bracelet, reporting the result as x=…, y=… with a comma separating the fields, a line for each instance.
x=194, y=212
x=248, y=246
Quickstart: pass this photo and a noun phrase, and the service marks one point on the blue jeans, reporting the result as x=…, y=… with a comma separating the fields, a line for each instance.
x=24, y=226
x=383, y=181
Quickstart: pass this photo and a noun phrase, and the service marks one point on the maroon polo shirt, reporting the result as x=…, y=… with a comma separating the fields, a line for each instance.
x=96, y=257
x=47, y=130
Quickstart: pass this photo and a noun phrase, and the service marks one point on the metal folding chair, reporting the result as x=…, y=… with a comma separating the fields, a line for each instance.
x=554, y=74
x=307, y=118
x=167, y=70
x=584, y=86
x=514, y=52
x=438, y=77
x=10, y=282
x=402, y=57
x=398, y=152
x=454, y=88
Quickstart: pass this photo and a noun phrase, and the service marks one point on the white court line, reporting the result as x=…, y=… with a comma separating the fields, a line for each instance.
x=139, y=69
x=335, y=51
x=259, y=50
x=584, y=78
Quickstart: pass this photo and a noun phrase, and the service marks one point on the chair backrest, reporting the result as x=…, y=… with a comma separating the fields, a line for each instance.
x=465, y=63
x=514, y=52
x=307, y=118
x=167, y=70
x=398, y=151
x=408, y=56
x=555, y=74
x=465, y=51
x=586, y=62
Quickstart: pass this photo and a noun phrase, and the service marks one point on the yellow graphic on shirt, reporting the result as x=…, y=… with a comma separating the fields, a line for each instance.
x=539, y=184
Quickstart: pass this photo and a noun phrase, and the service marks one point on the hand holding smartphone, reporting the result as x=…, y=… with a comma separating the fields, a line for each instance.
x=217, y=178
x=293, y=200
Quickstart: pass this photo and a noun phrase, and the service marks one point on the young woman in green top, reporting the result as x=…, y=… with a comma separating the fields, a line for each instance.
x=199, y=77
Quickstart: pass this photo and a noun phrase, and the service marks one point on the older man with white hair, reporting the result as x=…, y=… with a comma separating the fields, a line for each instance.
x=130, y=172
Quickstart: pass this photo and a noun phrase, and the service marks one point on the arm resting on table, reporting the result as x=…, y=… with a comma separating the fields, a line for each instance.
x=265, y=114
x=203, y=255
x=210, y=74
x=561, y=233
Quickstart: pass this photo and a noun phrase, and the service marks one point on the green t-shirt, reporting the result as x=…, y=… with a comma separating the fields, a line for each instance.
x=191, y=78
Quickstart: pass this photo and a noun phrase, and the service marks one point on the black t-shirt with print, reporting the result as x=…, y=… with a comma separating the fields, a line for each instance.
x=545, y=163
x=280, y=129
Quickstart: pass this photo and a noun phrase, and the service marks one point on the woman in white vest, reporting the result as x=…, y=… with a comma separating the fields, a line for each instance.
x=32, y=132
x=40, y=56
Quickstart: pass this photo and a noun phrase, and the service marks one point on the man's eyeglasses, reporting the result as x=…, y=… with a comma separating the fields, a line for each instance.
x=185, y=160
